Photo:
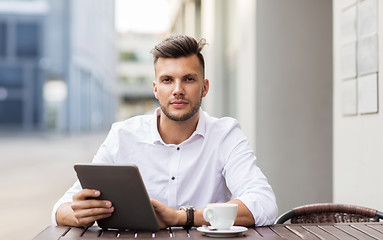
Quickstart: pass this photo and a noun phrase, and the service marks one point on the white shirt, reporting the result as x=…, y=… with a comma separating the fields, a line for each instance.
x=215, y=164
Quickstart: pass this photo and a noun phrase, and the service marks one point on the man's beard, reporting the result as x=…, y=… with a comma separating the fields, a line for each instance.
x=186, y=116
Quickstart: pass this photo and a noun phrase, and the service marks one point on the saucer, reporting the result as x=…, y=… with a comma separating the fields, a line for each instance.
x=234, y=231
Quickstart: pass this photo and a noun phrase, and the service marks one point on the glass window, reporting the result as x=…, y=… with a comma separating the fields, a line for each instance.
x=128, y=56
x=11, y=112
x=3, y=37
x=27, y=40
x=11, y=77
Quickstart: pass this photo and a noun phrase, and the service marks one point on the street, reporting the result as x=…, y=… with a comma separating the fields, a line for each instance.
x=35, y=171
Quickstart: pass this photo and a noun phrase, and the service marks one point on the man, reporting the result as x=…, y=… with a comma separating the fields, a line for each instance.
x=186, y=157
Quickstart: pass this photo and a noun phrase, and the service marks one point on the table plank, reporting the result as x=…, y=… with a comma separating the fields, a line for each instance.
x=355, y=232
x=126, y=234
x=284, y=232
x=376, y=226
x=74, y=233
x=368, y=230
x=51, y=232
x=109, y=233
x=267, y=233
x=179, y=233
x=336, y=232
x=164, y=234
x=320, y=233
x=92, y=232
x=144, y=235
x=302, y=233
x=251, y=234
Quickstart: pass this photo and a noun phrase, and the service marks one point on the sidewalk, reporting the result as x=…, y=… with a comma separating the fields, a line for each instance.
x=35, y=170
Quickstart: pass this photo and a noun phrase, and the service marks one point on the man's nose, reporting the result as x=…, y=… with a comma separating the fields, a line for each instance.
x=178, y=88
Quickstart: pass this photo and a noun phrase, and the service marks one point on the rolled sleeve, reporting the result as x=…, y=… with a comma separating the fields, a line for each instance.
x=67, y=197
x=264, y=212
x=248, y=184
x=258, y=197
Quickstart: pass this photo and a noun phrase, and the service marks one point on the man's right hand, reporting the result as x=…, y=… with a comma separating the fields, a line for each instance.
x=83, y=211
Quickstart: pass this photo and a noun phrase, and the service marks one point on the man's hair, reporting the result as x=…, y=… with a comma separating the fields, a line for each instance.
x=179, y=46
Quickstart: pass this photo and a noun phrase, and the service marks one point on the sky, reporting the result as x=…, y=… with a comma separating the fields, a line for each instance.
x=143, y=16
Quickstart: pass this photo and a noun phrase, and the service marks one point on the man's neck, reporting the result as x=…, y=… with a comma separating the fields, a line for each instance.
x=175, y=132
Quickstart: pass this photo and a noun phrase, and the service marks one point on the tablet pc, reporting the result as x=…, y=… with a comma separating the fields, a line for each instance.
x=123, y=186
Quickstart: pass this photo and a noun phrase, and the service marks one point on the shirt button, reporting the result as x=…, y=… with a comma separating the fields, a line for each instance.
x=173, y=178
x=178, y=148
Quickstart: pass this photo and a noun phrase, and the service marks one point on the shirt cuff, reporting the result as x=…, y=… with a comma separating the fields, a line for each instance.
x=264, y=213
x=68, y=197
x=55, y=207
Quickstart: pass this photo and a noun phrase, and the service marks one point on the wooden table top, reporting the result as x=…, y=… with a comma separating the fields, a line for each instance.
x=338, y=231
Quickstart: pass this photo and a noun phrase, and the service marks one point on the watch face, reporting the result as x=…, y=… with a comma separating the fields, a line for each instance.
x=185, y=208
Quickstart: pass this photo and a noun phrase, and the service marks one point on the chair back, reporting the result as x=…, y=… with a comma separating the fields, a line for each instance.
x=330, y=213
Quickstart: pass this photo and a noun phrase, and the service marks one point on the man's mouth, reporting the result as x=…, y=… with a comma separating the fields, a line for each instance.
x=178, y=103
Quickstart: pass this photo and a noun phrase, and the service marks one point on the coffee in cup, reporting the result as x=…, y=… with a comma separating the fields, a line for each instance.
x=221, y=216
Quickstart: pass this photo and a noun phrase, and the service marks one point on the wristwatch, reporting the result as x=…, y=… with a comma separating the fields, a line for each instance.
x=189, y=216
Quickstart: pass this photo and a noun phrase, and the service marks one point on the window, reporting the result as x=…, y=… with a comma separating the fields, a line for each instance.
x=3, y=37
x=11, y=77
x=27, y=40
x=128, y=57
x=11, y=112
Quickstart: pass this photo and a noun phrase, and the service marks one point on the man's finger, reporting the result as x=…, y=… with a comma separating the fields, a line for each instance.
x=93, y=212
x=86, y=193
x=88, y=204
x=157, y=205
x=88, y=221
x=153, y=202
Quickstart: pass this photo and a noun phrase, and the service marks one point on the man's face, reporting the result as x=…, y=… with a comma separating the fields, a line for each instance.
x=179, y=86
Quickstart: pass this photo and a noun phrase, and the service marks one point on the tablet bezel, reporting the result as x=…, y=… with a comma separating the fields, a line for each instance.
x=124, y=187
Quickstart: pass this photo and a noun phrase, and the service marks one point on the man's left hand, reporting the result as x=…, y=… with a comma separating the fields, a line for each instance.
x=167, y=216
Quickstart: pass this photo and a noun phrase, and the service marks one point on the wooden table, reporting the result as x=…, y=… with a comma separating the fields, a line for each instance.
x=342, y=231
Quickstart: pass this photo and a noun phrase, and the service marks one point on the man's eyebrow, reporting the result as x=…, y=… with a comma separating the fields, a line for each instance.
x=184, y=76
x=191, y=75
x=165, y=76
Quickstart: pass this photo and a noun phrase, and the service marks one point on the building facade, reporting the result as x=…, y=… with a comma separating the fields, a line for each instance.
x=358, y=129
x=57, y=65
x=21, y=47
x=270, y=66
x=135, y=72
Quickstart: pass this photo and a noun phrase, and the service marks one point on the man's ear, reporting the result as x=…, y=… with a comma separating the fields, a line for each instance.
x=205, y=89
x=155, y=89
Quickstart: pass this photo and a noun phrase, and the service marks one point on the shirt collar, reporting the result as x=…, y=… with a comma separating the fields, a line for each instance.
x=156, y=137
x=201, y=126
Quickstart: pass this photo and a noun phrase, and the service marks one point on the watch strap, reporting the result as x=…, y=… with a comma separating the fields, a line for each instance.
x=189, y=216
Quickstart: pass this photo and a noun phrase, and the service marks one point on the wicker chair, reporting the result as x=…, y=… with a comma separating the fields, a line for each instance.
x=330, y=213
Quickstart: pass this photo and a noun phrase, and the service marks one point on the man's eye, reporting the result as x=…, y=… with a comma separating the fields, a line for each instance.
x=166, y=80
x=190, y=79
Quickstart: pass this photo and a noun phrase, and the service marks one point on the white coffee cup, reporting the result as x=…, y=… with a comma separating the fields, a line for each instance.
x=221, y=215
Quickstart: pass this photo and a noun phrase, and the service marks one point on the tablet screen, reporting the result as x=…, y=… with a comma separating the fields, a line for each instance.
x=123, y=186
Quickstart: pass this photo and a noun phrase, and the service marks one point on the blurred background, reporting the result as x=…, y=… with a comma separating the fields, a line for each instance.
x=302, y=78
